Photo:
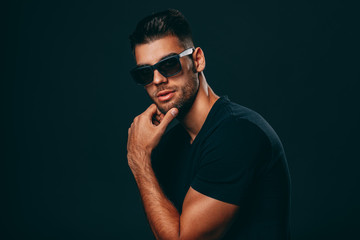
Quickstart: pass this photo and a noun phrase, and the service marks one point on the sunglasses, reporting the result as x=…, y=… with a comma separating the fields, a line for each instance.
x=168, y=67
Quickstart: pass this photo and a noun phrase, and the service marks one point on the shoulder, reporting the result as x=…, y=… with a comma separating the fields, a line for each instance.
x=235, y=119
x=233, y=130
x=236, y=135
x=230, y=120
x=243, y=115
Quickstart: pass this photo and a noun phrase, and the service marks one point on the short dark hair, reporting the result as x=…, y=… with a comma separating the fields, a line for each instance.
x=162, y=24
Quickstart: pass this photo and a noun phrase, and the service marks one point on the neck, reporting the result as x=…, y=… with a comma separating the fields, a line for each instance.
x=204, y=100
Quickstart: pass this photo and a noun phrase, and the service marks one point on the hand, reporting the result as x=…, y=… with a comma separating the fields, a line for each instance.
x=158, y=117
x=144, y=135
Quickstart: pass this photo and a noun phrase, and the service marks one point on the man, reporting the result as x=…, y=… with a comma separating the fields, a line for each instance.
x=221, y=172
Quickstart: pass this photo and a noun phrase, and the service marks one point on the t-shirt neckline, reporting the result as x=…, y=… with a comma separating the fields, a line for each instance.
x=212, y=111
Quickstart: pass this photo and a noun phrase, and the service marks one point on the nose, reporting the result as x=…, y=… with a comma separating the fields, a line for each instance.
x=159, y=78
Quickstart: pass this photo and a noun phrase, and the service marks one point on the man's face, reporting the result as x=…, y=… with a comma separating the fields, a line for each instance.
x=177, y=91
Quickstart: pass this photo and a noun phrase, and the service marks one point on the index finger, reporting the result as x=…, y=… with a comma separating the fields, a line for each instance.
x=150, y=110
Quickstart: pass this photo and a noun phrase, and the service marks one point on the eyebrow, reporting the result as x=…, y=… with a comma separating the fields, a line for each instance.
x=166, y=56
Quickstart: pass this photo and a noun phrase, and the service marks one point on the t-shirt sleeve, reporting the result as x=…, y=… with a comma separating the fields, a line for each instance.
x=232, y=160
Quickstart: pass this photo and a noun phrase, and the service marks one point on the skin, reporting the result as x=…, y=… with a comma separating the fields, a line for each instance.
x=202, y=217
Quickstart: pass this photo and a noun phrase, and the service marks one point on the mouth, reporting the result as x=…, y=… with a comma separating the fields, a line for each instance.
x=165, y=95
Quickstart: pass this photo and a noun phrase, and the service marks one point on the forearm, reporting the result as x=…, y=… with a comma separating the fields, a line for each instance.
x=163, y=217
x=202, y=217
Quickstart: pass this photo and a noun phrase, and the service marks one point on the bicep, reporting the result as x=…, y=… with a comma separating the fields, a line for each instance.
x=204, y=217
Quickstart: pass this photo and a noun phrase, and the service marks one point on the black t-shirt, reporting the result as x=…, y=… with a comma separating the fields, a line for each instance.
x=236, y=158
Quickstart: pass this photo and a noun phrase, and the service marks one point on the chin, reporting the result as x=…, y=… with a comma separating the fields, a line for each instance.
x=165, y=107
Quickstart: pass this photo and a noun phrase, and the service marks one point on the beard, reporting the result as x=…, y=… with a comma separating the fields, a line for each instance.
x=183, y=101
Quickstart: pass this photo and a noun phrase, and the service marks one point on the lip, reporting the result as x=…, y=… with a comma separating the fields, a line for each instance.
x=165, y=95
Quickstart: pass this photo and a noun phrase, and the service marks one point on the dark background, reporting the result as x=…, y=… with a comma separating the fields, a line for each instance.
x=68, y=100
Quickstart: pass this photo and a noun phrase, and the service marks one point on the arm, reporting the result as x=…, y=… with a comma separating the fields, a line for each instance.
x=202, y=217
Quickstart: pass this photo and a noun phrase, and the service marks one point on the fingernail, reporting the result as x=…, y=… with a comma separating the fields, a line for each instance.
x=174, y=112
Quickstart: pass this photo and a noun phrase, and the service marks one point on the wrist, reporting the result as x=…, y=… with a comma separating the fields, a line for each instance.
x=138, y=152
x=139, y=162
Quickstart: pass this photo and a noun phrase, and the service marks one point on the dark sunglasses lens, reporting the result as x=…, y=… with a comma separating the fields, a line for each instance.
x=169, y=67
x=143, y=75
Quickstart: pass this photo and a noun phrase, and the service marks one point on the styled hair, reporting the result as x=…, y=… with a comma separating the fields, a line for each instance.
x=162, y=24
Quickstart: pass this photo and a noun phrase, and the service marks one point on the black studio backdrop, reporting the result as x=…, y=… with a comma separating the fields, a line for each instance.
x=68, y=100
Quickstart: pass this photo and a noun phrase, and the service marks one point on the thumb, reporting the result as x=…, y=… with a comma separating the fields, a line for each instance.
x=169, y=116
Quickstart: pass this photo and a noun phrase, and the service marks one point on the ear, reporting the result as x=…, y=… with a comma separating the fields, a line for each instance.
x=199, y=59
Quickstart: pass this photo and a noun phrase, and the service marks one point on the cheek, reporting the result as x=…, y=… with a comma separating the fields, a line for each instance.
x=189, y=66
x=150, y=91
